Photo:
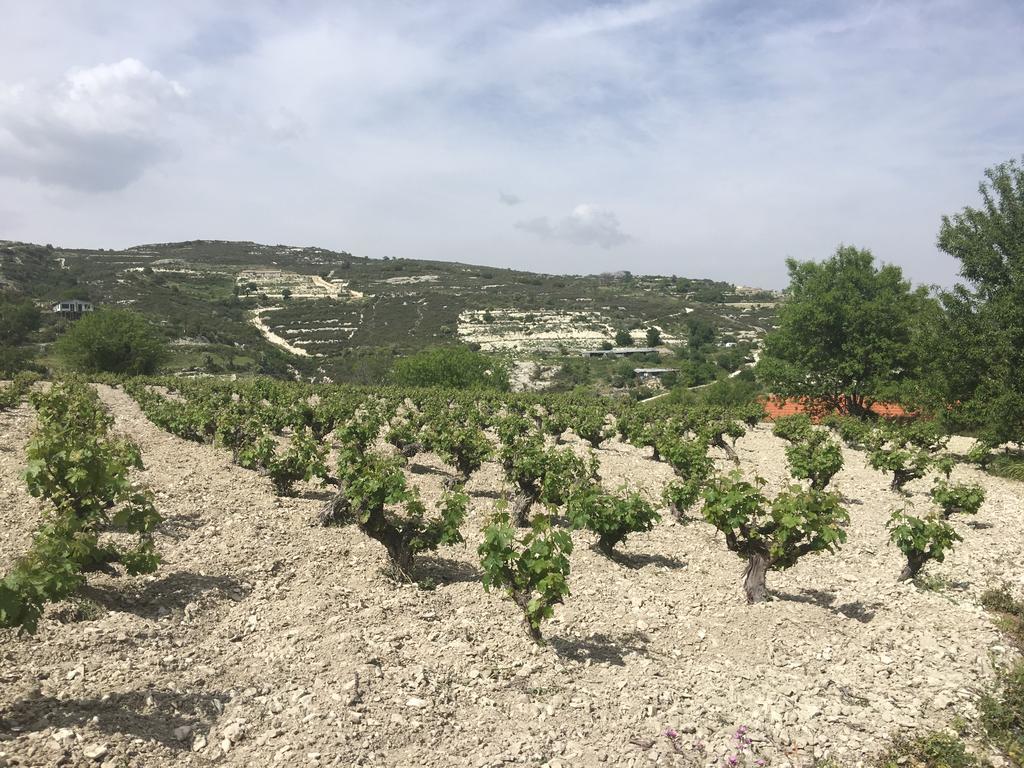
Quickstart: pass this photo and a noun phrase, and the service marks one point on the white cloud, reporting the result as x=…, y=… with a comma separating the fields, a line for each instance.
x=97, y=129
x=507, y=198
x=586, y=225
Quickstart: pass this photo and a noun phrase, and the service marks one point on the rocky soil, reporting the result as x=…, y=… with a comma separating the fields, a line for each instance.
x=265, y=641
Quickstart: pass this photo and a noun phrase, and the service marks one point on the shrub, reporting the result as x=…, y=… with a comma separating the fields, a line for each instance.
x=793, y=428
x=453, y=367
x=853, y=431
x=611, y=516
x=533, y=570
x=772, y=537
x=84, y=474
x=816, y=458
x=547, y=475
x=112, y=341
x=1010, y=610
x=375, y=496
x=302, y=459
x=460, y=442
x=957, y=499
x=690, y=461
x=920, y=540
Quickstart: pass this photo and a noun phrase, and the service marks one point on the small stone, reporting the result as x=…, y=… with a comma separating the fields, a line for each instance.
x=415, y=702
x=199, y=743
x=182, y=732
x=95, y=752
x=232, y=733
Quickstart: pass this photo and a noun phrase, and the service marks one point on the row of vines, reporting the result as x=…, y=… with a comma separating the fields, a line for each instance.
x=359, y=440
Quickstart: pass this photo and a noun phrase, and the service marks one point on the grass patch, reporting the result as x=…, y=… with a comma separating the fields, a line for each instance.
x=1009, y=612
x=1008, y=465
x=1002, y=714
x=936, y=750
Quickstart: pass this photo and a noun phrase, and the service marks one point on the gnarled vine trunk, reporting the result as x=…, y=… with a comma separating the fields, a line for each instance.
x=522, y=599
x=915, y=562
x=335, y=511
x=754, y=576
x=396, y=541
x=521, y=504
x=721, y=442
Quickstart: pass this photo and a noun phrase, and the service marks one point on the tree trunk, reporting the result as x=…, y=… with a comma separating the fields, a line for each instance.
x=754, y=577
x=914, y=565
x=521, y=504
x=677, y=513
x=522, y=599
x=395, y=541
x=334, y=511
x=720, y=442
x=410, y=449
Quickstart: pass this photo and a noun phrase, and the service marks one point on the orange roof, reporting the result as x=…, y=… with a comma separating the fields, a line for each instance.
x=776, y=407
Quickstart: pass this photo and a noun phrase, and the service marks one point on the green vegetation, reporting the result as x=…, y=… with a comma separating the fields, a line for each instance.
x=846, y=334
x=981, y=353
x=935, y=750
x=611, y=516
x=920, y=540
x=798, y=522
x=112, y=341
x=532, y=570
x=452, y=367
x=84, y=473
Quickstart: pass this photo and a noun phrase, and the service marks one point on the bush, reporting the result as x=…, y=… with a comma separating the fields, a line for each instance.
x=920, y=540
x=772, y=537
x=112, y=341
x=816, y=458
x=375, y=496
x=936, y=750
x=1002, y=714
x=611, y=516
x=84, y=474
x=793, y=428
x=961, y=498
x=452, y=367
x=534, y=570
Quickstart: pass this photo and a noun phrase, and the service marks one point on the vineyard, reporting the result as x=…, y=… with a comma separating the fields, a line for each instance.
x=374, y=576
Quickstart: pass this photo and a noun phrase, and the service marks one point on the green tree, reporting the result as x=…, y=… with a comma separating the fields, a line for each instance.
x=623, y=338
x=700, y=333
x=455, y=367
x=653, y=337
x=112, y=341
x=982, y=333
x=847, y=333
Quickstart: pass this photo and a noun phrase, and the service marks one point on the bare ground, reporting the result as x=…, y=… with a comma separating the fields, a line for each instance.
x=265, y=641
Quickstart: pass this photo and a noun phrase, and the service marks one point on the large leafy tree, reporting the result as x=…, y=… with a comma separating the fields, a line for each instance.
x=983, y=329
x=847, y=334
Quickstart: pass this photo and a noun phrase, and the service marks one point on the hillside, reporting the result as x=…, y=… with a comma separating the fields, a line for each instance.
x=245, y=306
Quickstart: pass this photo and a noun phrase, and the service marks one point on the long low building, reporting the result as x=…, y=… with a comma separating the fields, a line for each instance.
x=620, y=352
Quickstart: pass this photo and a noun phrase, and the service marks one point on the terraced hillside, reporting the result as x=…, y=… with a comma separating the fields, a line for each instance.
x=236, y=305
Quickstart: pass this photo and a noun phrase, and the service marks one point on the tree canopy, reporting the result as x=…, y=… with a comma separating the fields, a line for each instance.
x=456, y=367
x=112, y=341
x=848, y=333
x=982, y=354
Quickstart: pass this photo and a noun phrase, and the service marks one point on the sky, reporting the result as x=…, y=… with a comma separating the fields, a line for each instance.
x=702, y=138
